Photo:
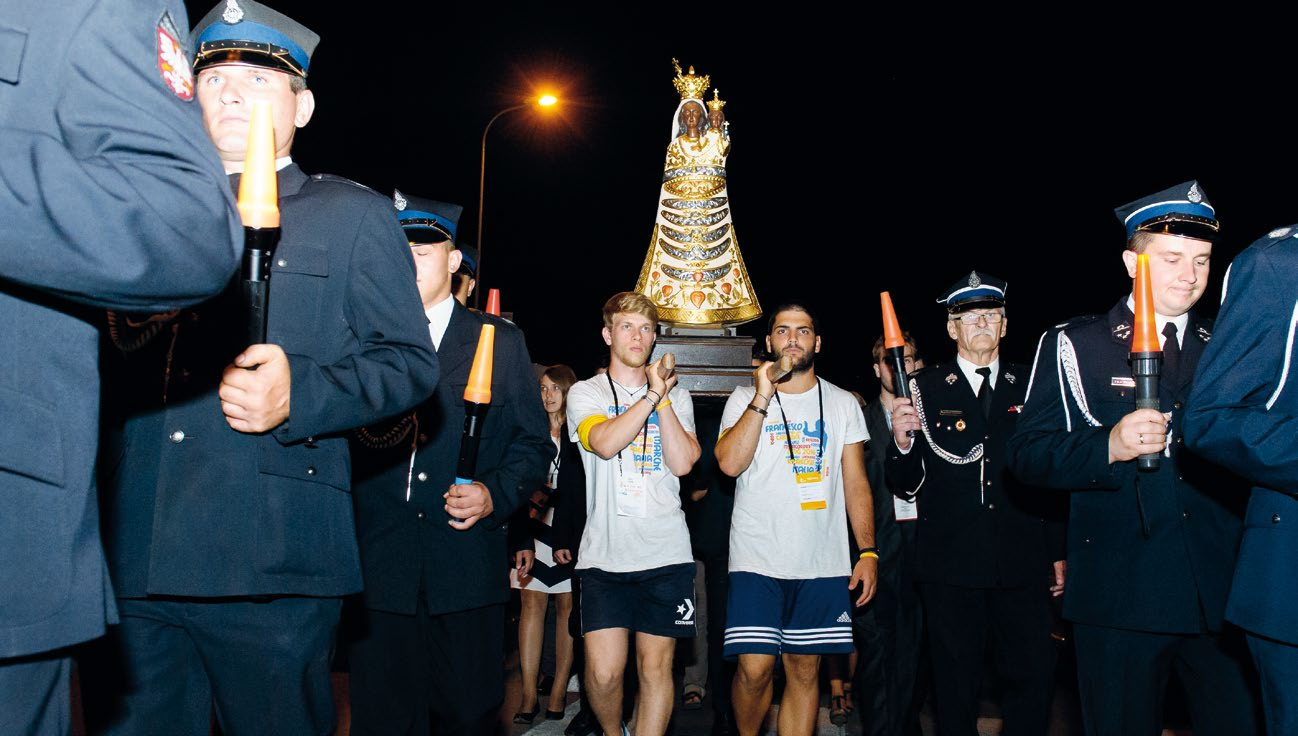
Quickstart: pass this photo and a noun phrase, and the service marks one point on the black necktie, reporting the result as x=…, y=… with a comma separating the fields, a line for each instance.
x=1171, y=350
x=985, y=390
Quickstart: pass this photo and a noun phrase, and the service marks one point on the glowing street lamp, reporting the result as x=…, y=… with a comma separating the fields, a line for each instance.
x=544, y=101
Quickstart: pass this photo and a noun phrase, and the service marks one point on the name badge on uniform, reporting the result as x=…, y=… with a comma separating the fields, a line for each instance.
x=631, y=498
x=811, y=490
x=1124, y=381
x=905, y=510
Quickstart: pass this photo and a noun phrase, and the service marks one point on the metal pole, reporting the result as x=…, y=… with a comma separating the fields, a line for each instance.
x=482, y=188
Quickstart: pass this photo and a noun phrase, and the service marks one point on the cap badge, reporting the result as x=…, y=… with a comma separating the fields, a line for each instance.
x=233, y=13
x=173, y=65
x=1194, y=195
x=1278, y=233
x=399, y=200
x=974, y=281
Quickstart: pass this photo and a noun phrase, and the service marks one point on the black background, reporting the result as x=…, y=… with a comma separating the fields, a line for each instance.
x=873, y=149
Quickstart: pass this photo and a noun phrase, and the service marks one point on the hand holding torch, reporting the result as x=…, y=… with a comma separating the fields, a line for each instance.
x=477, y=399
x=1146, y=353
x=894, y=342
x=259, y=210
x=666, y=365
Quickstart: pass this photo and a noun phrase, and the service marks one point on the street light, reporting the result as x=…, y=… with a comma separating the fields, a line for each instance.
x=546, y=101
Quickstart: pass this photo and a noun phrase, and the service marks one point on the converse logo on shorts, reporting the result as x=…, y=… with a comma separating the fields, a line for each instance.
x=686, y=611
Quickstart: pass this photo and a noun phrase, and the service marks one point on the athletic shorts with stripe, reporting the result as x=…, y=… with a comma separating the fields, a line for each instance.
x=767, y=615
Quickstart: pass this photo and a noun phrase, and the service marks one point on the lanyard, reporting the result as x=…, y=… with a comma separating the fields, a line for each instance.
x=824, y=433
x=617, y=411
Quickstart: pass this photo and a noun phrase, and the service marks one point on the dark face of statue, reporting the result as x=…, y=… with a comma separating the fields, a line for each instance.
x=691, y=116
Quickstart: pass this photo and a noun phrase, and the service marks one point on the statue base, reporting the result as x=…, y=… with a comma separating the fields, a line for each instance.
x=711, y=361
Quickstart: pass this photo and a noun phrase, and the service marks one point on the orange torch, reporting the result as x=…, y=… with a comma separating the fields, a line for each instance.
x=1146, y=353
x=895, y=343
x=259, y=210
x=477, y=399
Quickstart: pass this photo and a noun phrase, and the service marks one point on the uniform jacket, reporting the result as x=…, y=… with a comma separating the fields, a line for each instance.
x=194, y=508
x=895, y=539
x=1242, y=412
x=1147, y=551
x=407, y=547
x=978, y=526
x=111, y=196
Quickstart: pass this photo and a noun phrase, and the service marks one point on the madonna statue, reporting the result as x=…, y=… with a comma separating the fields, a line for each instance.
x=693, y=271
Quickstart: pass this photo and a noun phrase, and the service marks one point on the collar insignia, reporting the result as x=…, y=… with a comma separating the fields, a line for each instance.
x=1009, y=377
x=951, y=379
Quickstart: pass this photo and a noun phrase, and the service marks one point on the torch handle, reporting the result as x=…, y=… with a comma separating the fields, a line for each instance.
x=258, y=247
x=467, y=465
x=900, y=379
x=1146, y=368
x=666, y=365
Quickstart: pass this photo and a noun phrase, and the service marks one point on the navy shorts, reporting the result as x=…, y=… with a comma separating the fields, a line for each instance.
x=774, y=616
x=658, y=601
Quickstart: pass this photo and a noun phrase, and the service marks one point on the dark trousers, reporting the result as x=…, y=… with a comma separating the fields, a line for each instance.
x=1277, y=666
x=34, y=694
x=441, y=674
x=889, y=644
x=716, y=581
x=1016, y=621
x=1122, y=677
x=263, y=664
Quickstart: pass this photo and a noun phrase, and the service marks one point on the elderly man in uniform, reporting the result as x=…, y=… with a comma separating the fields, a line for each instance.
x=985, y=544
x=1150, y=553
x=431, y=634
x=96, y=99
x=229, y=522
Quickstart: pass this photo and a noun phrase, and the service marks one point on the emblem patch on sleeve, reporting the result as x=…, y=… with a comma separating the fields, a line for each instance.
x=175, y=69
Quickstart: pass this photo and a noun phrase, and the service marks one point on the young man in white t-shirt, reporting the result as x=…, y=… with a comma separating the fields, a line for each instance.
x=797, y=448
x=636, y=431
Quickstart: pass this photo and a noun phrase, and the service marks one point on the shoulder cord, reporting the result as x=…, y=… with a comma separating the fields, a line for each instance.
x=973, y=455
x=1068, y=363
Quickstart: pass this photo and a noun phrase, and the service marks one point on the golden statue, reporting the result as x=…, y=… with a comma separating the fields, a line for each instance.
x=693, y=271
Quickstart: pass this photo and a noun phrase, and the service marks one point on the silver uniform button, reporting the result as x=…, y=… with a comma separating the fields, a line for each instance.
x=422, y=476
x=178, y=436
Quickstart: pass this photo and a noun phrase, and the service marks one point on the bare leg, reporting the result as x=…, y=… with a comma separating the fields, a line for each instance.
x=654, y=663
x=801, y=699
x=751, y=693
x=531, y=632
x=562, y=651
x=605, y=665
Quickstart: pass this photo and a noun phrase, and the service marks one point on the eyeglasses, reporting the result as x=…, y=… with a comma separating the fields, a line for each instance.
x=971, y=318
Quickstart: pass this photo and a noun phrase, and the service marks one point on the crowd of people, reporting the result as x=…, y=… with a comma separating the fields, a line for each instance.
x=901, y=544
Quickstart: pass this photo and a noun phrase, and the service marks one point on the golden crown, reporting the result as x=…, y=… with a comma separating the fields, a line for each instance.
x=716, y=103
x=690, y=86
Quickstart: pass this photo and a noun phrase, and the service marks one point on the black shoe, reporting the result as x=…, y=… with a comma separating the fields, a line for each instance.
x=527, y=716
x=582, y=724
x=553, y=715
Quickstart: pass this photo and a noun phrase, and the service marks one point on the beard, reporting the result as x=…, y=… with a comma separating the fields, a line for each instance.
x=804, y=363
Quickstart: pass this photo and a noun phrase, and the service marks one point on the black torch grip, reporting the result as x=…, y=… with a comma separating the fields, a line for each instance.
x=467, y=465
x=900, y=380
x=1146, y=368
x=258, y=247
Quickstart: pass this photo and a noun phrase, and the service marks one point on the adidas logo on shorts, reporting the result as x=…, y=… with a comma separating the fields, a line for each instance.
x=843, y=618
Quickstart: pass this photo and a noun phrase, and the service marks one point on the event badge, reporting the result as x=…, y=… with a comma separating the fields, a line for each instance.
x=811, y=490
x=905, y=510
x=631, y=499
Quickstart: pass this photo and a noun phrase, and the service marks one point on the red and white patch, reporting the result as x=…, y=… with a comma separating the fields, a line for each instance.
x=172, y=62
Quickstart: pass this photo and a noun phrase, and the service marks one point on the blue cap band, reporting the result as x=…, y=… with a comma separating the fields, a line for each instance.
x=1154, y=211
x=256, y=33
x=446, y=224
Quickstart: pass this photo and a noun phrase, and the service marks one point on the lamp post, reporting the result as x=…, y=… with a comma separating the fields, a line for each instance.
x=542, y=101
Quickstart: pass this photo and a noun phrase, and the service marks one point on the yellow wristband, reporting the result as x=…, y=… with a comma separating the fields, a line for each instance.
x=666, y=403
x=870, y=553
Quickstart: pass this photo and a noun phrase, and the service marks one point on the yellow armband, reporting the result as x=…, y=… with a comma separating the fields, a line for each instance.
x=583, y=429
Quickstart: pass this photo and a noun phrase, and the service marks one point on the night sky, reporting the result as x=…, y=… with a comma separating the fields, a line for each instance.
x=875, y=151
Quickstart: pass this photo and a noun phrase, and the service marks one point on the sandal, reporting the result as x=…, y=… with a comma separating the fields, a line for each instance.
x=837, y=711
x=692, y=700
x=849, y=704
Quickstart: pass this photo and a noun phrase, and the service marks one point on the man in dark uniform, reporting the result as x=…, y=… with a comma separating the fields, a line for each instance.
x=985, y=544
x=889, y=629
x=1241, y=413
x=1150, y=553
x=433, y=551
x=465, y=279
x=229, y=520
x=96, y=99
